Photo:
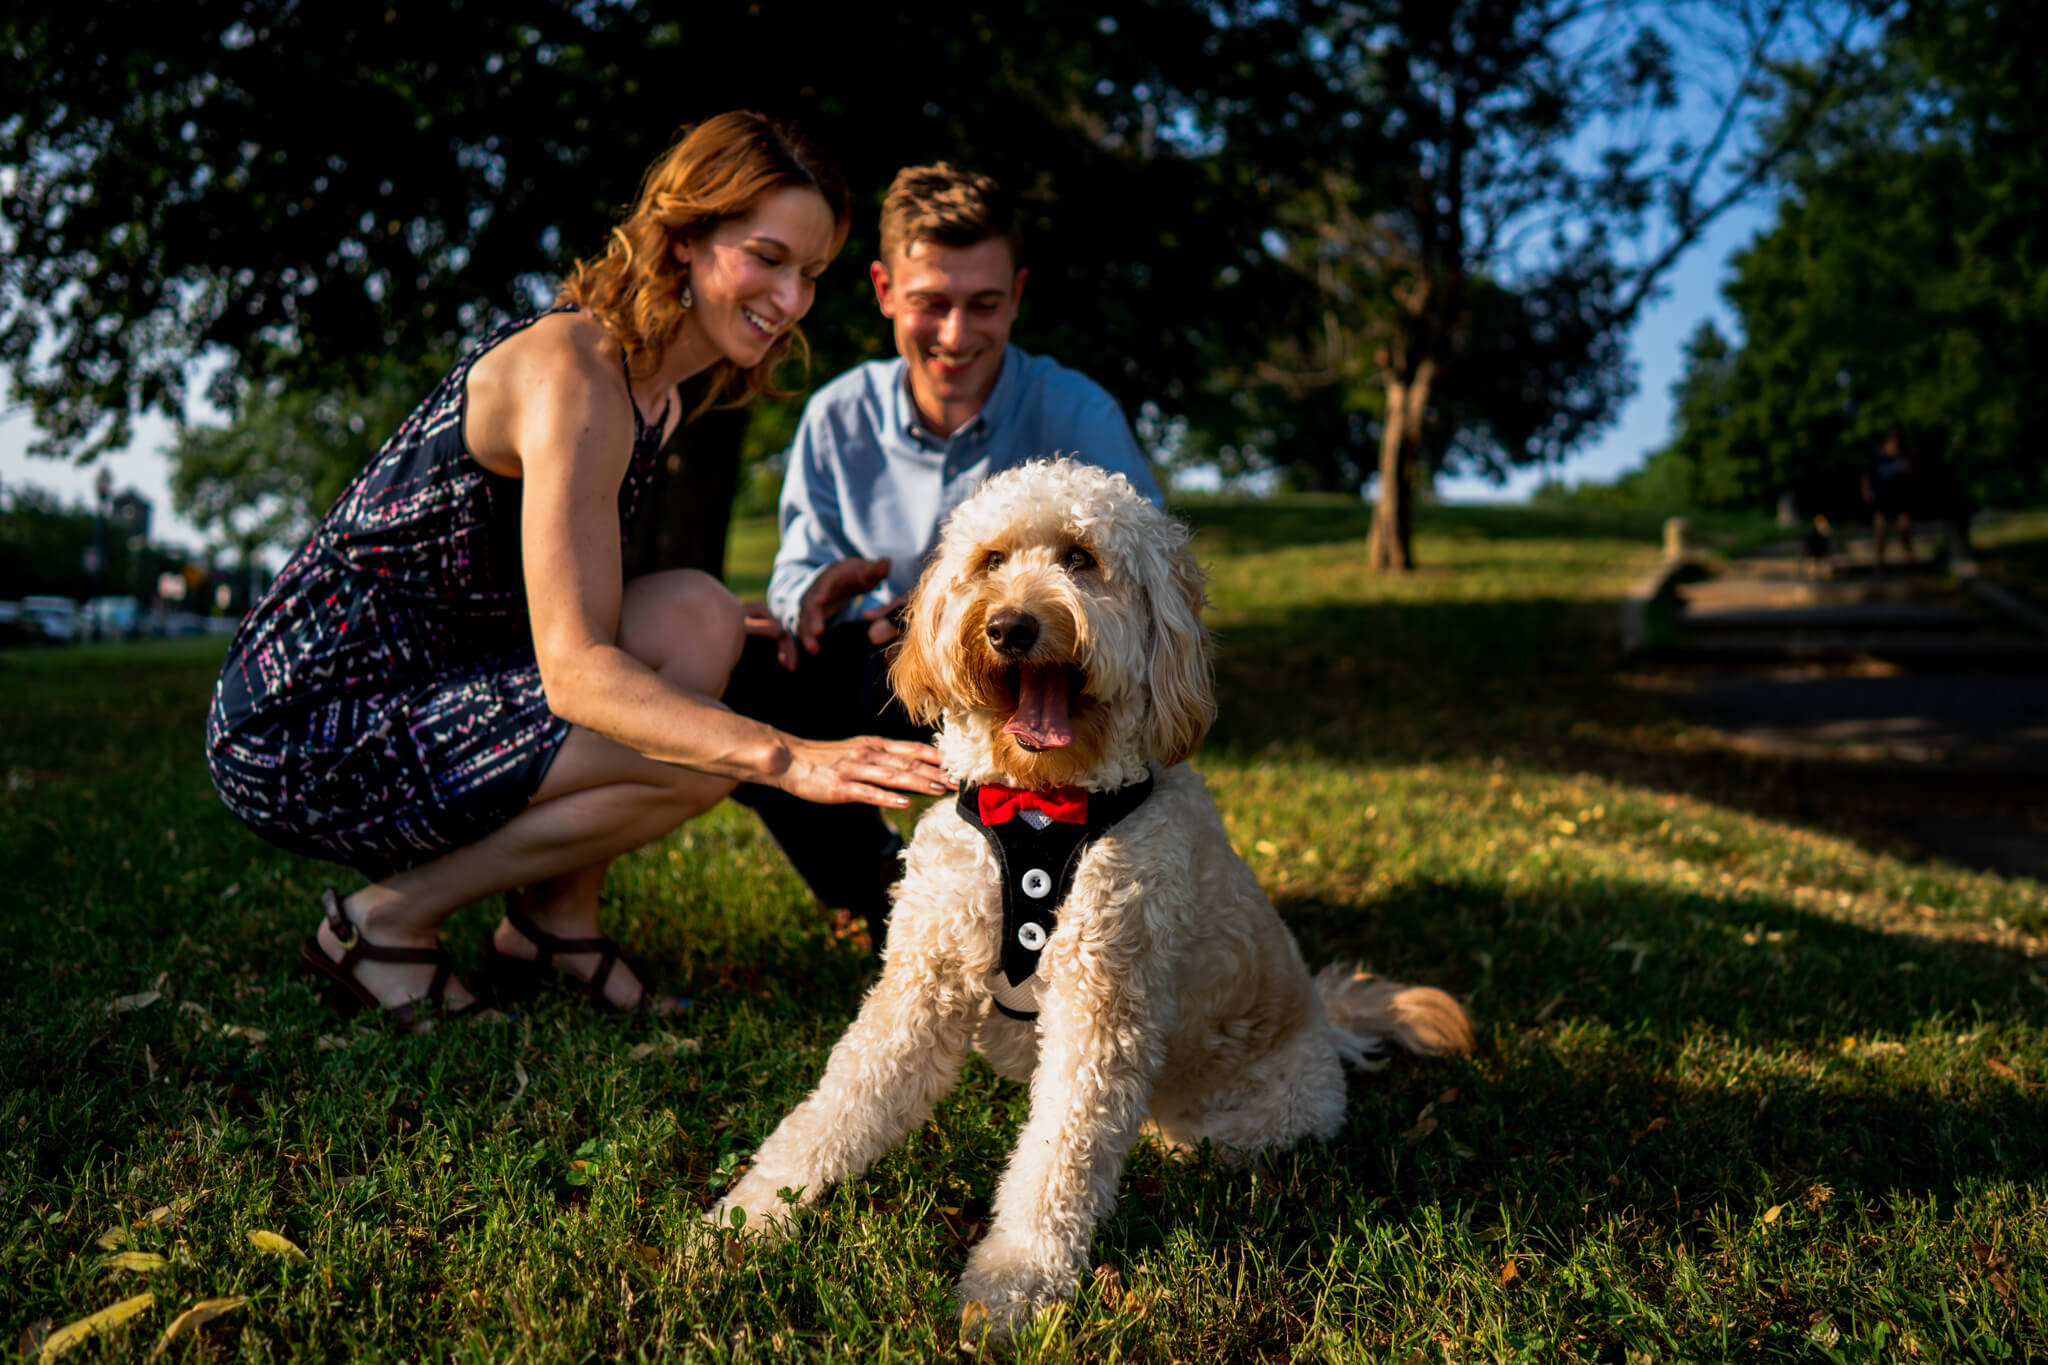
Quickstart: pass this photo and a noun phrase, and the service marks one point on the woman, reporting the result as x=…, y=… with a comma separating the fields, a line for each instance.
x=451, y=688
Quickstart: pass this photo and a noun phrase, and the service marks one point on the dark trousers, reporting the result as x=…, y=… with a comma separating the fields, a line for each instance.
x=845, y=854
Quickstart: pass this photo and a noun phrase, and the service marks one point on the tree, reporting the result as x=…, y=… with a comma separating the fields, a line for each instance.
x=1902, y=285
x=303, y=193
x=264, y=478
x=1466, y=181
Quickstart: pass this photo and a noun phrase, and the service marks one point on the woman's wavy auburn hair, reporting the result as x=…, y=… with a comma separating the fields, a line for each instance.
x=719, y=170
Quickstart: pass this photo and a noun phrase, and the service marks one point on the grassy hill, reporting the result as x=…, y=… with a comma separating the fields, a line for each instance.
x=1754, y=1082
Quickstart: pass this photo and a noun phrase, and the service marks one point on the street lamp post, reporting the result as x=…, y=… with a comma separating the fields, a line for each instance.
x=96, y=560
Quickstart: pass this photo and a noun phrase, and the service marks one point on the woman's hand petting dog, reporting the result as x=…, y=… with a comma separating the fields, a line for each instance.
x=836, y=771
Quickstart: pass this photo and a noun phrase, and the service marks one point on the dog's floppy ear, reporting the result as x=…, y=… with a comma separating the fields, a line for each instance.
x=1181, y=692
x=914, y=663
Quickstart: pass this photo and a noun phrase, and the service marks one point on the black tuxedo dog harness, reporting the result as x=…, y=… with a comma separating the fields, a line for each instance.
x=1038, y=838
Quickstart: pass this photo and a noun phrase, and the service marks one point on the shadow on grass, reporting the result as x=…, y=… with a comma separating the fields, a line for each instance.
x=1537, y=682
x=1657, y=1072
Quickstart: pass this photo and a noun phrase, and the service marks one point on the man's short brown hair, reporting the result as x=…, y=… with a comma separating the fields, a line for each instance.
x=950, y=207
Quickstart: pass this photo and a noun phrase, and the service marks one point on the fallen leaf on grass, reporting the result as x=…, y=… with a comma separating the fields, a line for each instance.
x=114, y=1238
x=1771, y=1213
x=1997, y=1267
x=1655, y=1125
x=327, y=1042
x=195, y=1317
x=139, y=1261
x=254, y=1035
x=1109, y=1283
x=68, y=1336
x=33, y=1336
x=2000, y=1068
x=1425, y=1124
x=1265, y=846
x=668, y=1045
x=272, y=1244
x=164, y=1213
x=973, y=1323
x=140, y=1000
x=1641, y=951
x=1508, y=1273
x=518, y=1074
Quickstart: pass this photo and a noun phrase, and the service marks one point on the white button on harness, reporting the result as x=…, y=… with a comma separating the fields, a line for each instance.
x=1031, y=935
x=1037, y=884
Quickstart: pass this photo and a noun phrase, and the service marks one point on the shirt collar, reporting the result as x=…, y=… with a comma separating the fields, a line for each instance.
x=1001, y=396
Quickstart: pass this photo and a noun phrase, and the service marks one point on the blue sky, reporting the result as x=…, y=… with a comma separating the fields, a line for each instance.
x=1692, y=295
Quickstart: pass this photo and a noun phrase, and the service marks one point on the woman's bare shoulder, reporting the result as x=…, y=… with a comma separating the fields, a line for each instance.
x=560, y=347
x=554, y=375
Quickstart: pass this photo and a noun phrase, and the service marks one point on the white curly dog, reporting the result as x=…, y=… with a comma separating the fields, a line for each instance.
x=1078, y=914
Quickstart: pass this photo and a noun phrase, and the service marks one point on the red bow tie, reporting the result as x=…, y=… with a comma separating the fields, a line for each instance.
x=1066, y=804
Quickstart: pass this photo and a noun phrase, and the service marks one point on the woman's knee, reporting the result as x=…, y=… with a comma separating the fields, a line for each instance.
x=684, y=624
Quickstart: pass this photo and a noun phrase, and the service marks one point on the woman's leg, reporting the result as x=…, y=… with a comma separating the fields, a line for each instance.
x=599, y=799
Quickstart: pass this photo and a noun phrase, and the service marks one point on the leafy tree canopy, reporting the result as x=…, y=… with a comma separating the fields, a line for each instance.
x=1479, y=196
x=323, y=197
x=1903, y=284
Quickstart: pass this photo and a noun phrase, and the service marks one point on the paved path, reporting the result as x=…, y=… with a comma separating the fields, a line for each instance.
x=1905, y=688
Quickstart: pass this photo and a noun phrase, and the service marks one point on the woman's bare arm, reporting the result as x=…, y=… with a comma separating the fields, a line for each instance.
x=555, y=410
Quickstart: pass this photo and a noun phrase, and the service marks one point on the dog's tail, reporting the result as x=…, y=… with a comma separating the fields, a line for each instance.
x=1369, y=1014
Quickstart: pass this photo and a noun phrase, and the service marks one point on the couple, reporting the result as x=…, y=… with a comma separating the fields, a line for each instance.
x=452, y=689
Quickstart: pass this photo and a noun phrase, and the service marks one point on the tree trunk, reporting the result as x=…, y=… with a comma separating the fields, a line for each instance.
x=682, y=524
x=1390, y=547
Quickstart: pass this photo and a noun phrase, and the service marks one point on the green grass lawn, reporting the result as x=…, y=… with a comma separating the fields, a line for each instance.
x=1753, y=1083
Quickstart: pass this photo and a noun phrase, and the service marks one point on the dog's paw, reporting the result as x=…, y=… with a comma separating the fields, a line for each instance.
x=1005, y=1283
x=753, y=1209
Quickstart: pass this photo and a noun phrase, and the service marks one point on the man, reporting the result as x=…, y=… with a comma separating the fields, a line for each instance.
x=881, y=455
x=1887, y=488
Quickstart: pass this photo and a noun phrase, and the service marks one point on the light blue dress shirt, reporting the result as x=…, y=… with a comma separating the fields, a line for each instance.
x=867, y=479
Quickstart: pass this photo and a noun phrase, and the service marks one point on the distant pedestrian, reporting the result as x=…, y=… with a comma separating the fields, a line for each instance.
x=1817, y=550
x=1888, y=488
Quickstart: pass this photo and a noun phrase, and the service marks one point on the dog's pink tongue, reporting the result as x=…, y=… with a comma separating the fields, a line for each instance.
x=1041, y=719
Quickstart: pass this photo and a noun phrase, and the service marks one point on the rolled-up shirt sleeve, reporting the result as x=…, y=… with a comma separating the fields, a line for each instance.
x=813, y=536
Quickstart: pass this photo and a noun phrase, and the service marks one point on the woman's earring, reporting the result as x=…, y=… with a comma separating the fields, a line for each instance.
x=685, y=297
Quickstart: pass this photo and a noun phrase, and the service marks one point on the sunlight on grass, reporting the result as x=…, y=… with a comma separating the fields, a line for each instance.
x=1754, y=1082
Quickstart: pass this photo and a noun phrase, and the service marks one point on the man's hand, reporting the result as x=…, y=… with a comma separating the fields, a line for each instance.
x=831, y=590
x=883, y=621
x=761, y=621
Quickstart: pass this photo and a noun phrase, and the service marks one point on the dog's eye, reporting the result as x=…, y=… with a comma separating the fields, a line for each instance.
x=1079, y=560
x=992, y=561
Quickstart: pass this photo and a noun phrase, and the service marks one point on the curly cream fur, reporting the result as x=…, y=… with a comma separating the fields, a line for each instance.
x=1174, y=1000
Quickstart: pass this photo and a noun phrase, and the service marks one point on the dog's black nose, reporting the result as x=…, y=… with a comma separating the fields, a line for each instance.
x=1012, y=631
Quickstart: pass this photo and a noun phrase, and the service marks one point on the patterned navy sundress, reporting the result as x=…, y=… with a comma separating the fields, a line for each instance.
x=382, y=705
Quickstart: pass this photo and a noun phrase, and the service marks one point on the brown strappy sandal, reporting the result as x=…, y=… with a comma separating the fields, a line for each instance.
x=350, y=995
x=519, y=978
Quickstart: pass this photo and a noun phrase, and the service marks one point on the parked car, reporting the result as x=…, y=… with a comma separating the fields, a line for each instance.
x=13, y=630
x=51, y=618
x=112, y=618
x=177, y=624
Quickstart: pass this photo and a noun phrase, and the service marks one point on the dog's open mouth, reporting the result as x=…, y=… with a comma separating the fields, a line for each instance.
x=1045, y=696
